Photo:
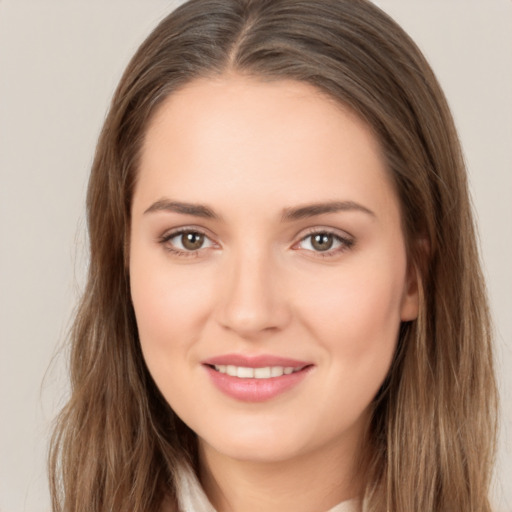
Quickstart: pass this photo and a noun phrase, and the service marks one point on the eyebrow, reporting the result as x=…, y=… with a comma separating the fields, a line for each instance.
x=197, y=210
x=289, y=214
x=311, y=210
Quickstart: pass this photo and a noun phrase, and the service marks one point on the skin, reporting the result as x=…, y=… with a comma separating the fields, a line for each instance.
x=249, y=150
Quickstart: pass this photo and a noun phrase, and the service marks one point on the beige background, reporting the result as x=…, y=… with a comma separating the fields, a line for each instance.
x=59, y=63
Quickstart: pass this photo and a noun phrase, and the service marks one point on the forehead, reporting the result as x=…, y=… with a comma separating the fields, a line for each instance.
x=229, y=109
x=239, y=137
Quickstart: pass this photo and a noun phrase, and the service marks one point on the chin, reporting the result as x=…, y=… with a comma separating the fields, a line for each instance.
x=257, y=450
x=261, y=442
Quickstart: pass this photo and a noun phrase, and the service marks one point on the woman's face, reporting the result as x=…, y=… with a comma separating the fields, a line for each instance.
x=266, y=239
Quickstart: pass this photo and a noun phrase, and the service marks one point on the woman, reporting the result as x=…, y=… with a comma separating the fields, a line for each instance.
x=284, y=309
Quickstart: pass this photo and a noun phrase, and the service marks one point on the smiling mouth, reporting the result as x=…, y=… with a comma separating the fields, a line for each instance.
x=256, y=379
x=265, y=372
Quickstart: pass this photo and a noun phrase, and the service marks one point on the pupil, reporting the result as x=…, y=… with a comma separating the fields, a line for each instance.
x=192, y=241
x=322, y=242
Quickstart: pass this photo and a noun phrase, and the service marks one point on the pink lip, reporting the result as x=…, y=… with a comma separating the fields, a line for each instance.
x=255, y=390
x=259, y=361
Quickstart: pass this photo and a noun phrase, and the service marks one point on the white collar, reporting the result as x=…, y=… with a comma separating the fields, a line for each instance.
x=191, y=497
x=190, y=494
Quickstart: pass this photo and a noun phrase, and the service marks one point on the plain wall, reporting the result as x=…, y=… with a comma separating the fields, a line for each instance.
x=59, y=63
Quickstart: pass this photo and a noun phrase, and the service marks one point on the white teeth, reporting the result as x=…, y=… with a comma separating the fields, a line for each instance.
x=277, y=371
x=266, y=372
x=244, y=373
x=263, y=373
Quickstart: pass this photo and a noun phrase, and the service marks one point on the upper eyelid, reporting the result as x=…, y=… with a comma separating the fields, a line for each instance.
x=322, y=229
x=170, y=233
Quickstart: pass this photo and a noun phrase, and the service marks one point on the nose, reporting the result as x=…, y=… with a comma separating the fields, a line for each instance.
x=252, y=296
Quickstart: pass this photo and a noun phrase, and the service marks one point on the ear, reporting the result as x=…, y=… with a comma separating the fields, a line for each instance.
x=411, y=295
x=410, y=300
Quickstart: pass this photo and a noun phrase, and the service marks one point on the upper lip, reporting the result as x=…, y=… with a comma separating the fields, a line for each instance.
x=255, y=361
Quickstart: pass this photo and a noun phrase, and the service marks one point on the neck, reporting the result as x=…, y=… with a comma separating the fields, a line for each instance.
x=316, y=481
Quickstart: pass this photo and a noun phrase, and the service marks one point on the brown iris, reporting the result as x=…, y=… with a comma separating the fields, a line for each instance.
x=322, y=241
x=192, y=240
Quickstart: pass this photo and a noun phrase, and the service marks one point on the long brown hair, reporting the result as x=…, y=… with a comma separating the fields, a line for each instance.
x=117, y=442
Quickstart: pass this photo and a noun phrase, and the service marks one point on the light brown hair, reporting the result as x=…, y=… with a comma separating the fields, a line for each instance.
x=431, y=441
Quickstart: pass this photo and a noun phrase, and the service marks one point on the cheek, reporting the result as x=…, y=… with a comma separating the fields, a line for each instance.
x=170, y=308
x=356, y=317
x=358, y=330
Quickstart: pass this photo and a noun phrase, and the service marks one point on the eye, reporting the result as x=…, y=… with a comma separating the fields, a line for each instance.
x=320, y=241
x=186, y=241
x=325, y=242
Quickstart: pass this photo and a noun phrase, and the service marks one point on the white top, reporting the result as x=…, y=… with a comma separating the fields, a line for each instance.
x=191, y=497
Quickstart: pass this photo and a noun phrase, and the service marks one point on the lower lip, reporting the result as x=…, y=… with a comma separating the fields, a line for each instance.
x=256, y=390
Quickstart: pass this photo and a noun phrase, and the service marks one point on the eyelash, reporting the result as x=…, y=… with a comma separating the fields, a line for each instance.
x=166, y=238
x=346, y=243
